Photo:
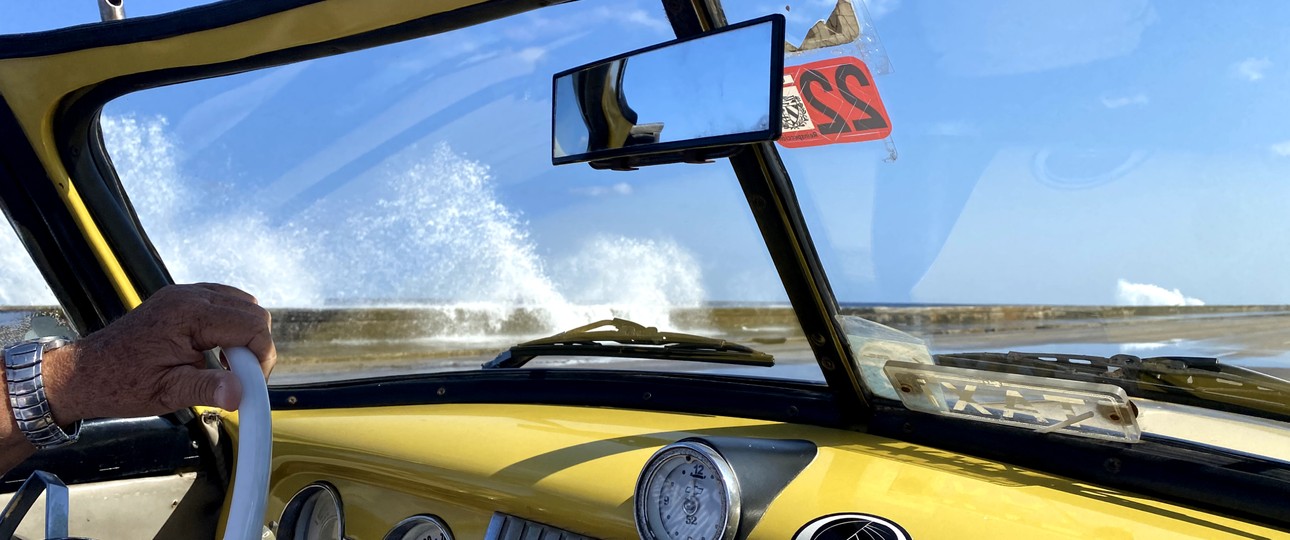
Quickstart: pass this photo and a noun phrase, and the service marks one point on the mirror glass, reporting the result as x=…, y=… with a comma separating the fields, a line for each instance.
x=721, y=88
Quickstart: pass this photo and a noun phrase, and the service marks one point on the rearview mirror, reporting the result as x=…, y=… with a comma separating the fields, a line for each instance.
x=686, y=100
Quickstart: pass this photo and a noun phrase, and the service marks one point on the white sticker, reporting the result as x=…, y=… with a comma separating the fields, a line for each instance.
x=796, y=118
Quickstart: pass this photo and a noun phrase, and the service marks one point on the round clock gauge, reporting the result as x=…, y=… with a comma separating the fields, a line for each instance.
x=421, y=527
x=313, y=513
x=687, y=490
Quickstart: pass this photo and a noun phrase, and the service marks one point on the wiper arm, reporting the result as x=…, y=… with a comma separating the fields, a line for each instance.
x=1188, y=380
x=629, y=339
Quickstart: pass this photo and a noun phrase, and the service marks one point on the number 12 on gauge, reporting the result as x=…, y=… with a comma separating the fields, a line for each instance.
x=832, y=101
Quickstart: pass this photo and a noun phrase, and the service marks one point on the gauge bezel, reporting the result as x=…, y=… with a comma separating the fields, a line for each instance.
x=404, y=527
x=291, y=512
x=713, y=460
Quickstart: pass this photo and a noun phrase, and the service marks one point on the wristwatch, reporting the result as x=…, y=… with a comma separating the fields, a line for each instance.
x=27, y=393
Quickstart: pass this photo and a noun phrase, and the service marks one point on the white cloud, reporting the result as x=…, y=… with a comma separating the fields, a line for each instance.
x=953, y=128
x=1281, y=149
x=633, y=15
x=1251, y=69
x=535, y=53
x=1145, y=294
x=879, y=8
x=538, y=27
x=1020, y=36
x=1124, y=101
x=643, y=18
x=532, y=54
x=621, y=188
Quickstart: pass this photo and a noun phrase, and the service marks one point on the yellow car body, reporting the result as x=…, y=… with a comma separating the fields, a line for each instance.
x=576, y=467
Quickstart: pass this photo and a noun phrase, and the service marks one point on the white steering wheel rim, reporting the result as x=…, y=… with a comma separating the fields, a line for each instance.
x=254, y=449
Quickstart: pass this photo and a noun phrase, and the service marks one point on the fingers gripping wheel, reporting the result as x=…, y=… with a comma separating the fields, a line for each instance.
x=250, y=480
x=254, y=448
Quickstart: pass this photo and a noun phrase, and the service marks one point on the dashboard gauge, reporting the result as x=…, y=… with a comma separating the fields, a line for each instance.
x=314, y=513
x=687, y=490
x=422, y=527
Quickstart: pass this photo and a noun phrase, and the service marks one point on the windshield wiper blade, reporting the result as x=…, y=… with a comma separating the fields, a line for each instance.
x=629, y=339
x=1187, y=380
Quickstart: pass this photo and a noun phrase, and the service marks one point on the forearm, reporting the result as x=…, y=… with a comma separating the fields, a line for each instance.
x=14, y=447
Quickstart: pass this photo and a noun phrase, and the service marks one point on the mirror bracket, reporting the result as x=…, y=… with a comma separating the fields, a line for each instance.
x=697, y=156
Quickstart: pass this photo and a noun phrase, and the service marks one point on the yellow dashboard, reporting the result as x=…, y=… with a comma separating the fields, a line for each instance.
x=576, y=469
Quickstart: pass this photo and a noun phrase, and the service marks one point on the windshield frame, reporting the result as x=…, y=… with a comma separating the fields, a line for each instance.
x=1191, y=474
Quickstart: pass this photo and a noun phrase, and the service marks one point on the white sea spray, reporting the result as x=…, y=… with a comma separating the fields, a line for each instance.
x=438, y=238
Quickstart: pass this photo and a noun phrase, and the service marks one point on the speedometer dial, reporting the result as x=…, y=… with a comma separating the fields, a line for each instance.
x=687, y=490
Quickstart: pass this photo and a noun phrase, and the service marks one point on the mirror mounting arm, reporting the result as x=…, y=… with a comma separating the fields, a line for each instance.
x=698, y=156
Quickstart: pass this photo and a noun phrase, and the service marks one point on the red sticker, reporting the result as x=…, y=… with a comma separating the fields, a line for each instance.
x=832, y=101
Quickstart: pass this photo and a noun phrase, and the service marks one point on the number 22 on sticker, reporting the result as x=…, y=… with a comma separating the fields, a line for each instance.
x=832, y=101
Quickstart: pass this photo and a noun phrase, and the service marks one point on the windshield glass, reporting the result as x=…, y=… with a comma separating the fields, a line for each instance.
x=398, y=210
x=1126, y=158
x=1093, y=178
x=28, y=309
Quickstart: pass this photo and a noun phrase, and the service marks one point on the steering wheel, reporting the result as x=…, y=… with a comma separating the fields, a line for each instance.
x=254, y=449
x=250, y=479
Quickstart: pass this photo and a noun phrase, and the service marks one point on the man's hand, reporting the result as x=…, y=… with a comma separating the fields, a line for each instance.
x=150, y=361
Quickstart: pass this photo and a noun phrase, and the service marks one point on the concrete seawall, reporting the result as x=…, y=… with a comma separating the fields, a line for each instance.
x=339, y=340
x=404, y=323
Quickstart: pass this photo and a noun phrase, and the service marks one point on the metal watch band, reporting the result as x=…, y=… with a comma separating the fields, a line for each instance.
x=22, y=365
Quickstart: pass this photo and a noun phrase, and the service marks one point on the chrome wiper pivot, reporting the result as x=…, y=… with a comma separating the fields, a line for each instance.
x=1187, y=380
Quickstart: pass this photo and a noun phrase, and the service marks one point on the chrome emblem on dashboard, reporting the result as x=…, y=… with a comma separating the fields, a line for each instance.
x=851, y=527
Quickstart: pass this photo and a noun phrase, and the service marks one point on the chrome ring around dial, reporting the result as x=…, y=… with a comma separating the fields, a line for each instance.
x=687, y=490
x=313, y=513
x=420, y=527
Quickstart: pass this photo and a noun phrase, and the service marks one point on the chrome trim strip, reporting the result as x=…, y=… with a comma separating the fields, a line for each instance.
x=508, y=527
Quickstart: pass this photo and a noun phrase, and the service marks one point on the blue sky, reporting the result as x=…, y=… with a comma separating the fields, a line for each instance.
x=1047, y=153
x=1050, y=150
